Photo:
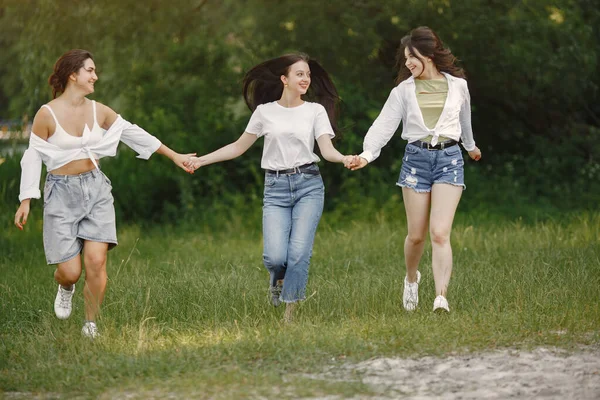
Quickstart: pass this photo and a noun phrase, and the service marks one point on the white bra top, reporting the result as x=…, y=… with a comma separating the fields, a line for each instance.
x=66, y=141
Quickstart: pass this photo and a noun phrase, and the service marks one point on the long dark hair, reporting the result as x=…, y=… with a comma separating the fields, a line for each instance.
x=262, y=84
x=68, y=63
x=428, y=43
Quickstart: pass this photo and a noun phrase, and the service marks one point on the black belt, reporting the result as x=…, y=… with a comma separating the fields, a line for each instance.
x=305, y=169
x=439, y=146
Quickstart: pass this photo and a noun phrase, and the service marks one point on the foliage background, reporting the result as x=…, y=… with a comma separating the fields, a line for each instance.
x=175, y=69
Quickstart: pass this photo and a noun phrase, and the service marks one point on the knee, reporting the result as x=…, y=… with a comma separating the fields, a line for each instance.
x=274, y=260
x=440, y=236
x=95, y=262
x=300, y=256
x=67, y=276
x=415, y=239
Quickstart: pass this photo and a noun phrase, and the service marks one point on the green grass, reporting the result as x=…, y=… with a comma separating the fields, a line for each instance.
x=187, y=314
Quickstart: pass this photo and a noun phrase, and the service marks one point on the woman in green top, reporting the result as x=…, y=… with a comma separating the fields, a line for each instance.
x=432, y=101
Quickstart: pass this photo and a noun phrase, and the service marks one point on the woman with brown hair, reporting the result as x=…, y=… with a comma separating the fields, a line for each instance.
x=275, y=91
x=79, y=216
x=432, y=101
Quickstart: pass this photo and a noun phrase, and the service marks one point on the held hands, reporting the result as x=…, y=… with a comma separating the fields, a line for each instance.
x=22, y=214
x=475, y=154
x=181, y=160
x=354, y=162
x=349, y=161
x=359, y=163
x=193, y=163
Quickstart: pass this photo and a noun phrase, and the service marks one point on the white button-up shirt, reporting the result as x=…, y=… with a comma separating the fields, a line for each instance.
x=402, y=105
x=55, y=157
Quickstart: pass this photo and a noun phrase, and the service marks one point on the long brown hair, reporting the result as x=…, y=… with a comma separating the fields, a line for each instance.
x=428, y=43
x=262, y=84
x=68, y=63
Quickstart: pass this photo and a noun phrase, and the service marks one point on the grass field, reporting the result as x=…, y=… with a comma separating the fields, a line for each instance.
x=187, y=313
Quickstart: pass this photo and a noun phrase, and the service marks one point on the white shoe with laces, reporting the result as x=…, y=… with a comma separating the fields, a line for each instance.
x=410, y=298
x=63, y=303
x=440, y=303
x=90, y=330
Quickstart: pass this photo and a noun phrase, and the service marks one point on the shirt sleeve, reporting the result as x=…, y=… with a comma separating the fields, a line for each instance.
x=384, y=126
x=140, y=141
x=255, y=125
x=31, y=172
x=322, y=125
x=465, y=121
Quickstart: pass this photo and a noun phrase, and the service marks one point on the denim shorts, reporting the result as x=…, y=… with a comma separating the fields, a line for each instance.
x=77, y=208
x=421, y=168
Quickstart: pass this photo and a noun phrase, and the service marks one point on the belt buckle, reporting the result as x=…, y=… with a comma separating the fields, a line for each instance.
x=295, y=170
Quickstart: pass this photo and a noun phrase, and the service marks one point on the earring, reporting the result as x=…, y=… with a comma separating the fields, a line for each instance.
x=286, y=85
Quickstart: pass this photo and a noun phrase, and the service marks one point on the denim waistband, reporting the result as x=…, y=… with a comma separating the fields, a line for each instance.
x=93, y=173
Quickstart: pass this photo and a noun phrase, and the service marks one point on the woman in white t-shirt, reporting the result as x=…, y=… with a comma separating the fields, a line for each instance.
x=432, y=101
x=294, y=191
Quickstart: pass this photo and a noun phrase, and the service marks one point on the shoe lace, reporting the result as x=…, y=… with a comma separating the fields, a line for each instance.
x=276, y=290
x=92, y=329
x=412, y=289
x=65, y=298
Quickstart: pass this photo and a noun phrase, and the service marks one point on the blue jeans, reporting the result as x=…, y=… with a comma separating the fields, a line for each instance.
x=293, y=205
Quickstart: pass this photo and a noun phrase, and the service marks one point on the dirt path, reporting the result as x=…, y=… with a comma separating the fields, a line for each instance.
x=540, y=374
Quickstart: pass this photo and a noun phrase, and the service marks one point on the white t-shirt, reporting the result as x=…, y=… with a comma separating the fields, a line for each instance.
x=290, y=133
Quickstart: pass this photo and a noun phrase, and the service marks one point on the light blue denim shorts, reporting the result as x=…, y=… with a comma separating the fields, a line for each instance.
x=77, y=208
x=421, y=168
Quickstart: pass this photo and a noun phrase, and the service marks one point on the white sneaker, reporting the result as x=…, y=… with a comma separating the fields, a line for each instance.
x=410, y=298
x=63, y=302
x=440, y=303
x=90, y=330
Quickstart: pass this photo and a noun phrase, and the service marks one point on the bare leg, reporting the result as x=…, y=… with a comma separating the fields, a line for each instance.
x=94, y=255
x=444, y=201
x=417, y=210
x=68, y=273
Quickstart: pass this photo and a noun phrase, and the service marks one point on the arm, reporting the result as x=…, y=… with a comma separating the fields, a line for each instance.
x=466, y=127
x=331, y=154
x=31, y=168
x=139, y=140
x=228, y=152
x=383, y=129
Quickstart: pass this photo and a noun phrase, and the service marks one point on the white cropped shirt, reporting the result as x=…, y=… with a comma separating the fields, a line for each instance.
x=290, y=133
x=402, y=105
x=55, y=157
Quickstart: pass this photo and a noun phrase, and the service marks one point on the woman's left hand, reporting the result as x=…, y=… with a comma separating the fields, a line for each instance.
x=350, y=161
x=475, y=154
x=182, y=159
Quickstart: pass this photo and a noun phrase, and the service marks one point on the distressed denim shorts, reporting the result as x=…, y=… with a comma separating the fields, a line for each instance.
x=77, y=208
x=421, y=168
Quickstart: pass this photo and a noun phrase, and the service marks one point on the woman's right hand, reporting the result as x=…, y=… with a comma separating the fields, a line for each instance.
x=475, y=154
x=362, y=162
x=22, y=214
x=193, y=163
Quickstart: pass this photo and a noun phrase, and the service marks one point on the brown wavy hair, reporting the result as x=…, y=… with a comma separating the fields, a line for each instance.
x=428, y=43
x=68, y=63
x=262, y=84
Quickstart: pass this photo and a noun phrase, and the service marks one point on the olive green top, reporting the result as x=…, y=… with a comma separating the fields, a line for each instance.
x=431, y=97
